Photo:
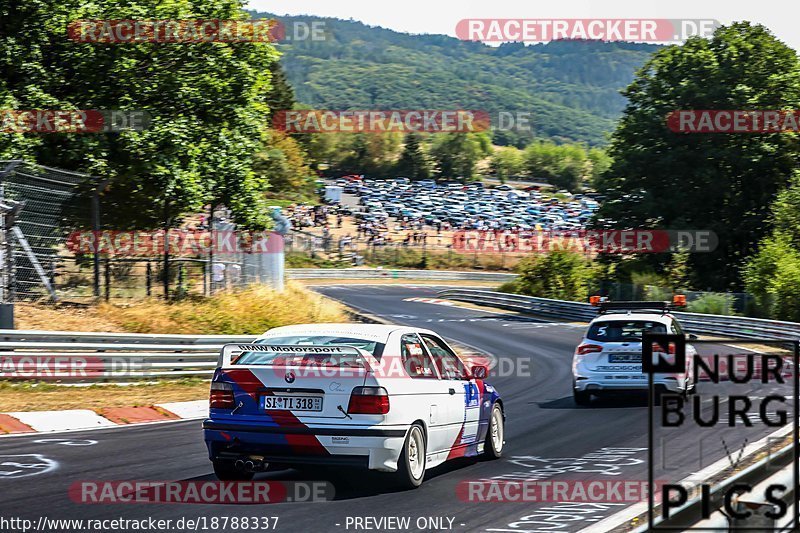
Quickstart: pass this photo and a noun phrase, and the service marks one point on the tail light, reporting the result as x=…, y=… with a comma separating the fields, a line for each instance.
x=583, y=349
x=368, y=401
x=221, y=396
x=657, y=348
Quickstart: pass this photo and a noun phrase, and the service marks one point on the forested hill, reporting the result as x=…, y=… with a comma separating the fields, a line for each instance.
x=572, y=88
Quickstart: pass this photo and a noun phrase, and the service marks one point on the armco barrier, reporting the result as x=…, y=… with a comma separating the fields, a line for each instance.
x=382, y=273
x=715, y=325
x=71, y=357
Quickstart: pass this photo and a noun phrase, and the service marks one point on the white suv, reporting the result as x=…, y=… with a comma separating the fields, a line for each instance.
x=609, y=358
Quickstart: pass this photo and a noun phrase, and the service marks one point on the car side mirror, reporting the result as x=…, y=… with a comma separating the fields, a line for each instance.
x=693, y=337
x=480, y=372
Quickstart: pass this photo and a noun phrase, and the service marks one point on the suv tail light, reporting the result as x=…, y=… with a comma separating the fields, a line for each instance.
x=583, y=349
x=221, y=396
x=368, y=401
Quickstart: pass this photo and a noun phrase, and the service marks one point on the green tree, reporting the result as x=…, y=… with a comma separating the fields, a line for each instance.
x=413, y=163
x=560, y=274
x=600, y=162
x=720, y=182
x=373, y=154
x=565, y=166
x=281, y=95
x=506, y=162
x=456, y=155
x=282, y=164
x=770, y=275
x=208, y=104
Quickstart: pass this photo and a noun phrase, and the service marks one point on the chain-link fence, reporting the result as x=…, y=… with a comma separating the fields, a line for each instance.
x=54, y=247
x=37, y=204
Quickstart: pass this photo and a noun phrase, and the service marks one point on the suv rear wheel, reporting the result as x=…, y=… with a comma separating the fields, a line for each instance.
x=581, y=397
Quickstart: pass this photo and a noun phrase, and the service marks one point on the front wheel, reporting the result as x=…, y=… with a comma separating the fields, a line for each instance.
x=412, y=463
x=493, y=448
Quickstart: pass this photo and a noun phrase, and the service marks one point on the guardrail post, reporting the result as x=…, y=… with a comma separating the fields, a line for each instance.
x=7, y=316
x=108, y=279
x=149, y=278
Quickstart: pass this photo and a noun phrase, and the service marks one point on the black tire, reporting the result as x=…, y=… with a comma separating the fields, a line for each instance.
x=492, y=449
x=582, y=397
x=405, y=477
x=225, y=471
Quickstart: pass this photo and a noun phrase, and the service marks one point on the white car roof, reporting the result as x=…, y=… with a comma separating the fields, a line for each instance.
x=651, y=317
x=373, y=332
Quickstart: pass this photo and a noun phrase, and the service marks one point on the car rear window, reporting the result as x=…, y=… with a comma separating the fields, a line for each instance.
x=311, y=358
x=623, y=330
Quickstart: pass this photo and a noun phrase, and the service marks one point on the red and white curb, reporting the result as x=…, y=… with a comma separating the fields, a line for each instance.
x=107, y=417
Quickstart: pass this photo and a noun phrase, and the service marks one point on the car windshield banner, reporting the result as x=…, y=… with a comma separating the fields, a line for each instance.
x=293, y=355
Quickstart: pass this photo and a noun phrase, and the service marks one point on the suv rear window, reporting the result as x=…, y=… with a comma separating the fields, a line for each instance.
x=623, y=330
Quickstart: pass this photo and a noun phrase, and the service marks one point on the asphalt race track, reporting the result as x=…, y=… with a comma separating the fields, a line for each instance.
x=547, y=437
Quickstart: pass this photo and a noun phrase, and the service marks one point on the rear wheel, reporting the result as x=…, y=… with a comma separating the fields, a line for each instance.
x=412, y=463
x=581, y=397
x=493, y=448
x=226, y=471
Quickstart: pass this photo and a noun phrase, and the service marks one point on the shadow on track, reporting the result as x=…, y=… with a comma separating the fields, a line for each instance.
x=616, y=401
x=348, y=483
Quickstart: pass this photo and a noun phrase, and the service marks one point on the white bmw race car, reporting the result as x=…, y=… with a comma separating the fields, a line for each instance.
x=388, y=398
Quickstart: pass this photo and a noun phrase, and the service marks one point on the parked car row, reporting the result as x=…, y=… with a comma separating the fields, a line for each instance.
x=471, y=206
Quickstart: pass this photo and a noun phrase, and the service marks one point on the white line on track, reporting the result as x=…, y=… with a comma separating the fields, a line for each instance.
x=119, y=426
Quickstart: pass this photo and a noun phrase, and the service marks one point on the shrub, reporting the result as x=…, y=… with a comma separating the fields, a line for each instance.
x=712, y=303
x=772, y=277
x=561, y=274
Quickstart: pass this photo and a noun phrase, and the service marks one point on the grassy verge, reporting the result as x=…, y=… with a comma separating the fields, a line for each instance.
x=46, y=397
x=250, y=311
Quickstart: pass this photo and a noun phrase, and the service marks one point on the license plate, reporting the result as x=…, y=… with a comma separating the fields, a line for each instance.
x=625, y=358
x=292, y=403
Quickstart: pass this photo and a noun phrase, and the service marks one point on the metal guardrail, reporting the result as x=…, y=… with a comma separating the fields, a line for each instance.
x=71, y=357
x=715, y=325
x=386, y=273
x=775, y=468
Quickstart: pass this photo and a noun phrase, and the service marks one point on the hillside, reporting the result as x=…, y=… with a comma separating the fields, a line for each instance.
x=572, y=88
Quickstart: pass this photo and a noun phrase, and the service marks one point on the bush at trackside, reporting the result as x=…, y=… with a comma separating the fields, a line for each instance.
x=712, y=303
x=560, y=274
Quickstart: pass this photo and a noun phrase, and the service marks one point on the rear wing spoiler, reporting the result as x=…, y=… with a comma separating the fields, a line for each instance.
x=231, y=352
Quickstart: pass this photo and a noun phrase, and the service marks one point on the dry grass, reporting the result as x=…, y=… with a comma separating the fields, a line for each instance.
x=250, y=311
x=49, y=318
x=43, y=397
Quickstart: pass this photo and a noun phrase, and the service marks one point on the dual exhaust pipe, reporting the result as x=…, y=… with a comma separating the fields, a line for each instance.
x=250, y=465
